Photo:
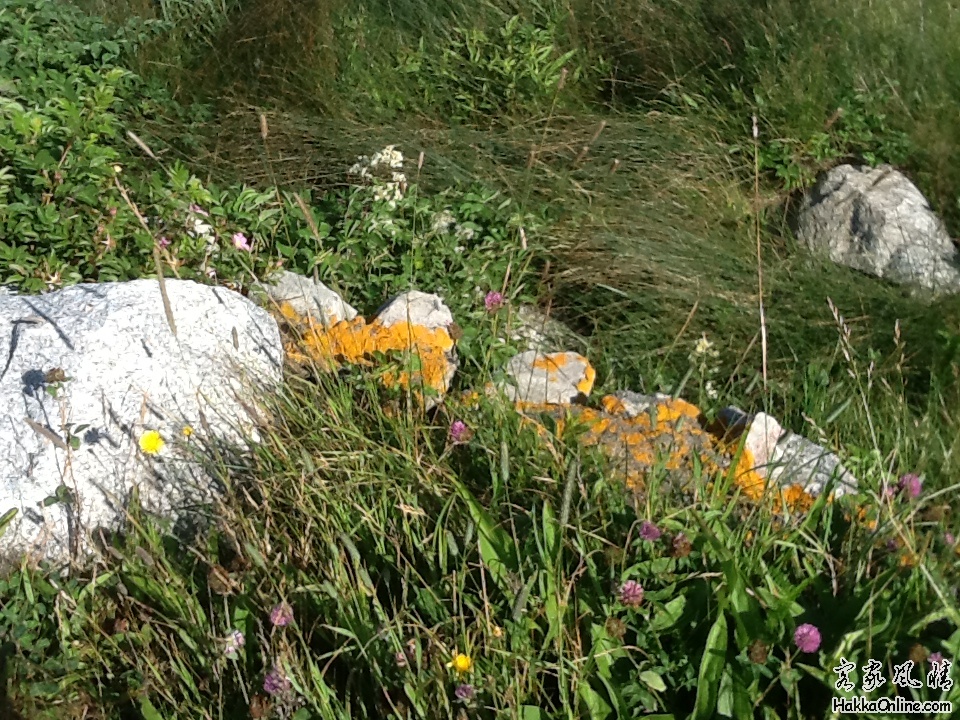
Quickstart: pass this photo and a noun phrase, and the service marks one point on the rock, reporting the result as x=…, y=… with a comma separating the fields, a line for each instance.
x=632, y=404
x=644, y=437
x=416, y=308
x=299, y=296
x=412, y=323
x=876, y=221
x=108, y=354
x=784, y=457
x=554, y=378
x=532, y=328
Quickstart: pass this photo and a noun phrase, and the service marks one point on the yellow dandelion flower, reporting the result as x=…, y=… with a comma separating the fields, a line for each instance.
x=461, y=663
x=151, y=442
x=187, y=431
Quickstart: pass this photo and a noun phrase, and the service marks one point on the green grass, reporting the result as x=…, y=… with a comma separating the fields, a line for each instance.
x=633, y=182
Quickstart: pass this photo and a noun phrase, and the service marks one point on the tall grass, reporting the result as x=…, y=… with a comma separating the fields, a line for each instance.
x=397, y=548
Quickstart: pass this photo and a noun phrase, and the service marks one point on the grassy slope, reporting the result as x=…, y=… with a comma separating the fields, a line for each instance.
x=643, y=260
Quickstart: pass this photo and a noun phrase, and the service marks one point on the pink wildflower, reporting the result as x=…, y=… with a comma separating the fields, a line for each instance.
x=631, y=593
x=911, y=485
x=275, y=682
x=493, y=301
x=459, y=432
x=807, y=638
x=281, y=615
x=240, y=242
x=649, y=531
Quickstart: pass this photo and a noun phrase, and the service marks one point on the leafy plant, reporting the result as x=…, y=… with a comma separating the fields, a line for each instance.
x=481, y=75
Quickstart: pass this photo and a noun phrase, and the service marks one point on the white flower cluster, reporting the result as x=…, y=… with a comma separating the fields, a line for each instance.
x=702, y=356
x=383, y=172
x=198, y=227
x=444, y=222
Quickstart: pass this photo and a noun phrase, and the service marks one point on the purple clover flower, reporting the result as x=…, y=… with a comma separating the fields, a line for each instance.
x=649, y=531
x=275, y=682
x=807, y=638
x=281, y=615
x=911, y=485
x=631, y=593
x=464, y=692
x=459, y=432
x=493, y=301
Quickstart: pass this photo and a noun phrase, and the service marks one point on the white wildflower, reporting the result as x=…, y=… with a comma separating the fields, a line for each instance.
x=711, y=390
x=389, y=156
x=703, y=346
x=465, y=233
x=443, y=221
x=361, y=168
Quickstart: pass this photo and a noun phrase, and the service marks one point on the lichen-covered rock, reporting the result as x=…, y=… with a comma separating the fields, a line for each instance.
x=416, y=308
x=413, y=323
x=88, y=371
x=785, y=458
x=553, y=378
x=876, y=221
x=298, y=296
x=632, y=403
x=648, y=435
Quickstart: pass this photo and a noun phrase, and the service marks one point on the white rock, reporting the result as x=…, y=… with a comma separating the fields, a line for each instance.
x=417, y=308
x=125, y=374
x=553, y=378
x=307, y=297
x=876, y=221
x=785, y=457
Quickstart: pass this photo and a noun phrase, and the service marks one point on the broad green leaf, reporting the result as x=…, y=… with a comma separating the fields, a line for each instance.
x=148, y=710
x=669, y=614
x=711, y=667
x=497, y=548
x=653, y=681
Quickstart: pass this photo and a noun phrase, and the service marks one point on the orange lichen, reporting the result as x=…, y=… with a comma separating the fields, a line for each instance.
x=554, y=362
x=676, y=409
x=795, y=498
x=287, y=312
x=354, y=342
x=613, y=405
x=668, y=437
x=589, y=377
x=551, y=362
x=747, y=478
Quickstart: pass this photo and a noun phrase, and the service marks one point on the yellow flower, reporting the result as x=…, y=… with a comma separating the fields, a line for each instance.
x=187, y=431
x=117, y=169
x=151, y=442
x=497, y=631
x=461, y=663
